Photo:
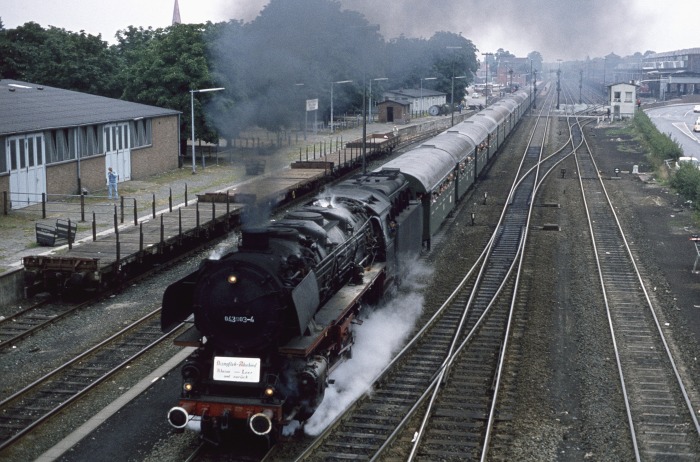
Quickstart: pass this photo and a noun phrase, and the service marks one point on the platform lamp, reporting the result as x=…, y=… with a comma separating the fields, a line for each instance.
x=306, y=113
x=338, y=82
x=421, y=92
x=370, y=95
x=452, y=98
x=486, y=80
x=192, y=92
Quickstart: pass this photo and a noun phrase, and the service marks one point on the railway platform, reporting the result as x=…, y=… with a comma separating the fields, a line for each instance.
x=150, y=212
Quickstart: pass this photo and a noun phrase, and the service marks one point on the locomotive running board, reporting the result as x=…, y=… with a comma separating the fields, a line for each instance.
x=333, y=313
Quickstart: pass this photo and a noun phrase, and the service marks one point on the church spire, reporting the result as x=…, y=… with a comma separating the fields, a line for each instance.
x=176, y=14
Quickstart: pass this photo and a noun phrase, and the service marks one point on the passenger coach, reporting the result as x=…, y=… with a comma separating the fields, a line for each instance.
x=442, y=170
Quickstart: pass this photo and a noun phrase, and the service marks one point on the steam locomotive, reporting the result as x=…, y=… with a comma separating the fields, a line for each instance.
x=273, y=317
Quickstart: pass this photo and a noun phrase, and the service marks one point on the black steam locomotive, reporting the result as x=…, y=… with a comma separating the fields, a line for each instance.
x=272, y=318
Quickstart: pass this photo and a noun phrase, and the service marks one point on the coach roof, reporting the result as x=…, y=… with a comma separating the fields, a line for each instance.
x=28, y=107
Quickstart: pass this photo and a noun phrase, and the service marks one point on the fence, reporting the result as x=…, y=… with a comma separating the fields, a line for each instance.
x=101, y=213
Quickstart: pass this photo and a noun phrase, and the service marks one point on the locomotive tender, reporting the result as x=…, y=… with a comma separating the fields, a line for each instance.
x=274, y=317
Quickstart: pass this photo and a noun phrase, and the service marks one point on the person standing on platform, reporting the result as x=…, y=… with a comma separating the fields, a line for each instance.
x=112, y=188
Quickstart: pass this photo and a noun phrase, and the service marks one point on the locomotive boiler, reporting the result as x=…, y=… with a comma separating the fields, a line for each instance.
x=273, y=317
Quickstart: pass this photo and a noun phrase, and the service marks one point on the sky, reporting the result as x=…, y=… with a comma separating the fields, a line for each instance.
x=558, y=29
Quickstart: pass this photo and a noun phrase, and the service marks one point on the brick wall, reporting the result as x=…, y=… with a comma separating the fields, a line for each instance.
x=162, y=155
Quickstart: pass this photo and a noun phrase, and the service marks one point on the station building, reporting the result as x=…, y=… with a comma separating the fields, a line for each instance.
x=672, y=73
x=420, y=100
x=61, y=142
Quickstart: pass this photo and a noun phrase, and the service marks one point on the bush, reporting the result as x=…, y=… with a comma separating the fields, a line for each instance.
x=660, y=146
x=686, y=182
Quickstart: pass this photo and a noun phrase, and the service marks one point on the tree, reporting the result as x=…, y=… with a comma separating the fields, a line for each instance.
x=265, y=60
x=536, y=59
x=451, y=55
x=56, y=57
x=163, y=66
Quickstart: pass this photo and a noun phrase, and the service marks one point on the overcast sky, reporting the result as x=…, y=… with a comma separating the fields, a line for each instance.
x=558, y=29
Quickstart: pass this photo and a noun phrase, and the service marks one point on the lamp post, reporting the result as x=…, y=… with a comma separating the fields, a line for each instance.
x=421, y=92
x=534, y=89
x=510, y=74
x=370, y=95
x=580, y=86
x=531, y=77
x=337, y=81
x=452, y=98
x=605, y=60
x=558, y=82
x=299, y=85
x=192, y=92
x=486, y=80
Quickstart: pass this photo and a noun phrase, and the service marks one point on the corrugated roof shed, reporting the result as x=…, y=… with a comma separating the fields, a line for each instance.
x=27, y=107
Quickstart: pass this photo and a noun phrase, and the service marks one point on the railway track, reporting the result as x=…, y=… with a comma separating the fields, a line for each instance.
x=42, y=313
x=661, y=411
x=479, y=368
x=25, y=322
x=34, y=404
x=474, y=323
x=30, y=319
x=52, y=393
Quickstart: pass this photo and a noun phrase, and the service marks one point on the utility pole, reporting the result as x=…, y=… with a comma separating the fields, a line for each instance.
x=558, y=82
x=452, y=98
x=580, y=86
x=486, y=82
x=534, y=89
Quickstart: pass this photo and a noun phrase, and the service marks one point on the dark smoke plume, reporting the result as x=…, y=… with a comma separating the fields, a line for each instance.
x=558, y=29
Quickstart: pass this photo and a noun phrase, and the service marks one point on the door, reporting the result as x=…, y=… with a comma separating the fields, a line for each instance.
x=389, y=114
x=117, y=150
x=26, y=159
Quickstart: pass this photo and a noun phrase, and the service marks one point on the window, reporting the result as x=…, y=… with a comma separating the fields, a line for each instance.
x=616, y=96
x=628, y=97
x=140, y=133
x=3, y=155
x=57, y=148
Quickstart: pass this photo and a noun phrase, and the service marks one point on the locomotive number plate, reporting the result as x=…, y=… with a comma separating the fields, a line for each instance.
x=231, y=369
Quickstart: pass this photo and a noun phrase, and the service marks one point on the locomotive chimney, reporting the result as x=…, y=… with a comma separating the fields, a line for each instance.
x=255, y=239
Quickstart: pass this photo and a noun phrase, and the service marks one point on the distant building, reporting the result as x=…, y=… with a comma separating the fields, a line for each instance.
x=675, y=73
x=391, y=111
x=513, y=71
x=420, y=100
x=622, y=98
x=57, y=141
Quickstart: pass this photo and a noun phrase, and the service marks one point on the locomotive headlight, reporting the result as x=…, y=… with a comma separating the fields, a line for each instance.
x=269, y=392
x=188, y=386
x=232, y=279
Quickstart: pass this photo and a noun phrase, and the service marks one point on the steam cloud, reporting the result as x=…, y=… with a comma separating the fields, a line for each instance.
x=377, y=339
